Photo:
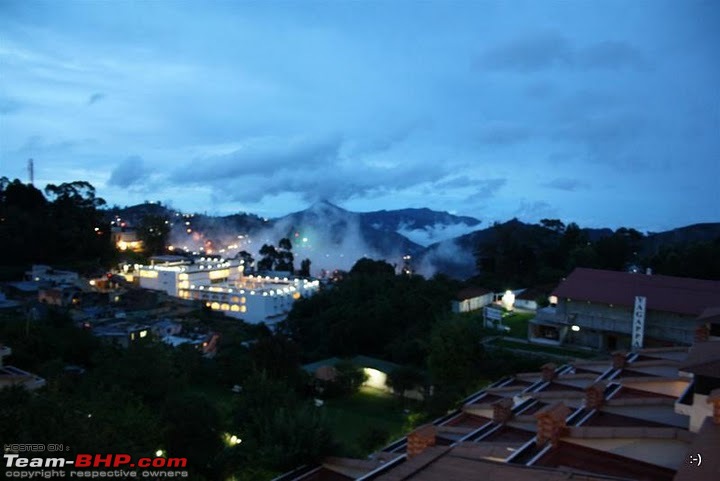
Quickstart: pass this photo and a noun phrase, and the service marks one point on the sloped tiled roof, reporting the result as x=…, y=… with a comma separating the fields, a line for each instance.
x=664, y=293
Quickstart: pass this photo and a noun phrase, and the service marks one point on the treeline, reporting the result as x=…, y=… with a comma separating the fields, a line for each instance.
x=371, y=312
x=518, y=254
x=152, y=397
x=64, y=226
x=403, y=319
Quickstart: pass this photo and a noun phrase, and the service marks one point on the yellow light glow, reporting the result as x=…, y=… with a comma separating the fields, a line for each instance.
x=243, y=309
x=508, y=299
x=183, y=277
x=143, y=334
x=235, y=299
x=225, y=307
x=296, y=295
x=375, y=378
x=235, y=308
x=221, y=274
x=148, y=273
x=215, y=305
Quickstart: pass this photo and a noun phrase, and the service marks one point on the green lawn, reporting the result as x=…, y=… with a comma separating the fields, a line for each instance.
x=558, y=351
x=367, y=420
x=518, y=324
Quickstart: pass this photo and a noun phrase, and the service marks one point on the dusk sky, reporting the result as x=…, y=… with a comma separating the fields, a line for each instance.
x=603, y=113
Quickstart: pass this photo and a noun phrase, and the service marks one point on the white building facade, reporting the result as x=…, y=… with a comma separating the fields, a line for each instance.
x=222, y=286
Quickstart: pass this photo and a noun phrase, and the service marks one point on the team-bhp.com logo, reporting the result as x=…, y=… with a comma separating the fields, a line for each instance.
x=123, y=466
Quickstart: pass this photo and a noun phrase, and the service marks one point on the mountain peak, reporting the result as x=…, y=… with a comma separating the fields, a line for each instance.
x=324, y=205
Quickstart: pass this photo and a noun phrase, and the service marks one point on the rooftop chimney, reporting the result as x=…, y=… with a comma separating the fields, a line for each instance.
x=595, y=395
x=548, y=371
x=421, y=439
x=714, y=398
x=702, y=333
x=502, y=410
x=619, y=358
x=551, y=423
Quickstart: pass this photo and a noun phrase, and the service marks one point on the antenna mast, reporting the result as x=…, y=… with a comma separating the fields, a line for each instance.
x=31, y=171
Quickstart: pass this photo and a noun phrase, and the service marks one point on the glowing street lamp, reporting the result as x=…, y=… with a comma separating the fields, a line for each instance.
x=508, y=300
x=231, y=439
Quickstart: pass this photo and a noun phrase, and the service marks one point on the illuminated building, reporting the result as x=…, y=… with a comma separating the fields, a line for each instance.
x=126, y=239
x=604, y=309
x=222, y=286
x=13, y=376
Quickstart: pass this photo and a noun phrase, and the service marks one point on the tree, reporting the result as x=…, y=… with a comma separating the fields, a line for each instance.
x=370, y=267
x=456, y=356
x=285, y=256
x=305, y=268
x=404, y=379
x=197, y=437
x=350, y=377
x=279, y=430
x=269, y=259
x=555, y=225
x=247, y=259
x=154, y=231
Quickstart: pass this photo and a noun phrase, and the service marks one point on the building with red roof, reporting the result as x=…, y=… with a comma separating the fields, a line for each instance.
x=595, y=308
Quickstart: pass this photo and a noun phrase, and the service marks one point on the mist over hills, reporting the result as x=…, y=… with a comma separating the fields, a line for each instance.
x=335, y=238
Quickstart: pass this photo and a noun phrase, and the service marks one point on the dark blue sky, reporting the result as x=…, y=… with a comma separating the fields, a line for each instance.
x=605, y=113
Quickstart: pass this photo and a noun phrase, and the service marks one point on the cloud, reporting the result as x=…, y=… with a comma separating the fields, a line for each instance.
x=566, y=184
x=9, y=105
x=529, y=53
x=539, y=51
x=605, y=136
x=504, y=133
x=533, y=211
x=611, y=55
x=486, y=189
x=262, y=157
x=313, y=169
x=131, y=171
x=96, y=97
x=458, y=182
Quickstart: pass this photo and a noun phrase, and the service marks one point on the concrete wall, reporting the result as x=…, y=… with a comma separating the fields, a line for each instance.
x=472, y=304
x=698, y=411
x=663, y=326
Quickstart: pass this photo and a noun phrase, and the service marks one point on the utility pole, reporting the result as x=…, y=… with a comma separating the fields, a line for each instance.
x=31, y=171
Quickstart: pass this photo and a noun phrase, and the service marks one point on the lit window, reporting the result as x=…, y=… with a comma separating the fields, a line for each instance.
x=215, y=305
x=143, y=334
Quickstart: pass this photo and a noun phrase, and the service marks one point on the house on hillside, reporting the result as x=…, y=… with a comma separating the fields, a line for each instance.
x=471, y=299
x=13, y=376
x=375, y=370
x=597, y=308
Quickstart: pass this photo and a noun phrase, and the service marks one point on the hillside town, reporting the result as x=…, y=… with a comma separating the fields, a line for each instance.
x=406, y=240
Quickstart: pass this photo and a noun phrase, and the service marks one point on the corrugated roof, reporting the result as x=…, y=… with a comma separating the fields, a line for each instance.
x=664, y=293
x=471, y=292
